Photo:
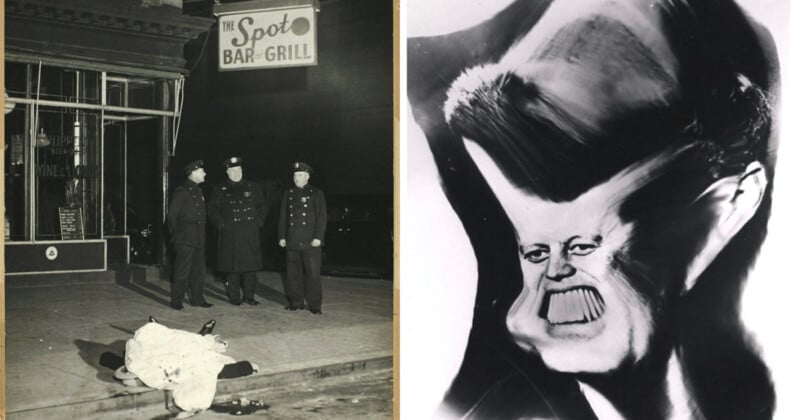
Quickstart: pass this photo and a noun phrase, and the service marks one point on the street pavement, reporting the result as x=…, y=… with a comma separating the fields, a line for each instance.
x=364, y=396
x=56, y=332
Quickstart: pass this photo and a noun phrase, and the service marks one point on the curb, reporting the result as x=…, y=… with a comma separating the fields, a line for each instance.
x=138, y=398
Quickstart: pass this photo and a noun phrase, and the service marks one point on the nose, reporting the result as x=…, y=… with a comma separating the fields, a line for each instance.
x=559, y=267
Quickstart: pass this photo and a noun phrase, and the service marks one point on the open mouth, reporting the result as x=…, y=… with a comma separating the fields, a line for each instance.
x=579, y=305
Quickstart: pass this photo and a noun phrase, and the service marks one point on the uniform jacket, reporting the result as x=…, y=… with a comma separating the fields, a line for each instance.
x=237, y=210
x=303, y=217
x=187, y=215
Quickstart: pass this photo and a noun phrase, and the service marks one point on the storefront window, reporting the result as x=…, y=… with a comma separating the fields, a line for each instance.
x=65, y=85
x=69, y=150
x=15, y=154
x=67, y=170
x=114, y=150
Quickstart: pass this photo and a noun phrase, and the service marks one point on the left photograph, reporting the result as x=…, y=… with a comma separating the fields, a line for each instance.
x=198, y=209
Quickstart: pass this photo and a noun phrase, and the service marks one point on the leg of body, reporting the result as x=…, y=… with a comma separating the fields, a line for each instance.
x=236, y=370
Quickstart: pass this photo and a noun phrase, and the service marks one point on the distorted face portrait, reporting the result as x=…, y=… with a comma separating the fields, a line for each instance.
x=611, y=163
x=587, y=302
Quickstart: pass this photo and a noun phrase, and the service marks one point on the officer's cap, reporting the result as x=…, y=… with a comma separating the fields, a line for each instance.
x=302, y=167
x=191, y=166
x=233, y=161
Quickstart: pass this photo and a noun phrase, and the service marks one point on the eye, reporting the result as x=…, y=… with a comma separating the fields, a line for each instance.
x=537, y=254
x=582, y=248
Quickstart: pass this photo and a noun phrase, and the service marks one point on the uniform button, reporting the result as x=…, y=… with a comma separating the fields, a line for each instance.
x=304, y=214
x=304, y=222
x=305, y=205
x=291, y=223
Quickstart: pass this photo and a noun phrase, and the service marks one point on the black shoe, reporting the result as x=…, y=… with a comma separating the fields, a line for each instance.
x=177, y=307
x=236, y=303
x=204, y=305
x=291, y=308
x=208, y=327
x=251, y=301
x=316, y=311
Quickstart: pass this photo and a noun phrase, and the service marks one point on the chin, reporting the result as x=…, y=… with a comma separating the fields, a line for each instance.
x=600, y=354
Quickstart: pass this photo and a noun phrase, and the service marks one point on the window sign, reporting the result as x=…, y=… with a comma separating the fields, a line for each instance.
x=257, y=39
x=71, y=221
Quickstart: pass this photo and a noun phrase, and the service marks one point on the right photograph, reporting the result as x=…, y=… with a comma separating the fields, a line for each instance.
x=590, y=204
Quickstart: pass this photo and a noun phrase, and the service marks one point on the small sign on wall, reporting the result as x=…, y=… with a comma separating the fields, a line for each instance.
x=280, y=36
x=51, y=253
x=71, y=221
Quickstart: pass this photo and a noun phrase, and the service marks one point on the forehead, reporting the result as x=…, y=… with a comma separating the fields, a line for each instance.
x=595, y=212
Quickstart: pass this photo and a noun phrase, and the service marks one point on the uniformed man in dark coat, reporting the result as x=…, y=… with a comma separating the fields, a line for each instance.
x=301, y=229
x=237, y=209
x=187, y=226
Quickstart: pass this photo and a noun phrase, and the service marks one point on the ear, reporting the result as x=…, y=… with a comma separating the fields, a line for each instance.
x=734, y=201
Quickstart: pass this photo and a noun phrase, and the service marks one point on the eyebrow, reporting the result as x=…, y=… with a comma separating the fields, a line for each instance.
x=524, y=249
x=595, y=238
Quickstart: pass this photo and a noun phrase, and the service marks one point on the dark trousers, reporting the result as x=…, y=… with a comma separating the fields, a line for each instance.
x=189, y=269
x=302, y=277
x=240, y=286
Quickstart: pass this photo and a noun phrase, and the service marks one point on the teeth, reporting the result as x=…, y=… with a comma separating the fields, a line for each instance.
x=579, y=305
x=598, y=308
x=587, y=314
x=592, y=305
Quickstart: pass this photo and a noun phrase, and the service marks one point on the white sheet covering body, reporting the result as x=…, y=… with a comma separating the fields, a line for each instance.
x=184, y=362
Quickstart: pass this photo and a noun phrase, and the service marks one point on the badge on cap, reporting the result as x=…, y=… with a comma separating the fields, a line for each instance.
x=233, y=161
x=302, y=166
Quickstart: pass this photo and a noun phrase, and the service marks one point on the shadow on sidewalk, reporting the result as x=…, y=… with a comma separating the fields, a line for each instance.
x=137, y=282
x=96, y=355
x=217, y=285
x=271, y=294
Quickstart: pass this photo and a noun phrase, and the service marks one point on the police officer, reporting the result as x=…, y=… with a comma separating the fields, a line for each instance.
x=187, y=226
x=237, y=209
x=301, y=229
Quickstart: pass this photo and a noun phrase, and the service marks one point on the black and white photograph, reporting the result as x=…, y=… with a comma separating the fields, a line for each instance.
x=199, y=209
x=597, y=210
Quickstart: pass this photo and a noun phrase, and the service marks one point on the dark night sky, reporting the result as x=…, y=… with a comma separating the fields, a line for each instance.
x=336, y=116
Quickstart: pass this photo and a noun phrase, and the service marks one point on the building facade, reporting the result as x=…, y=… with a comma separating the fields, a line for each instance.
x=94, y=95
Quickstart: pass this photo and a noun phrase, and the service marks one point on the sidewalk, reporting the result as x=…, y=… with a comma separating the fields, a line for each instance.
x=56, y=333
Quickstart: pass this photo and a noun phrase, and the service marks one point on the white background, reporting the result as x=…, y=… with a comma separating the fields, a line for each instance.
x=438, y=271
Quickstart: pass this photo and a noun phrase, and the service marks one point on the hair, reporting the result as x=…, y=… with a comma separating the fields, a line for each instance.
x=719, y=113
